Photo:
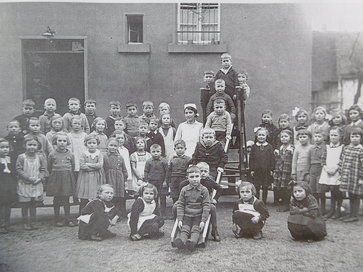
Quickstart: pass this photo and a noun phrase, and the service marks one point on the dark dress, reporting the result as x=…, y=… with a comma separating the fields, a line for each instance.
x=101, y=213
x=8, y=182
x=116, y=173
x=262, y=162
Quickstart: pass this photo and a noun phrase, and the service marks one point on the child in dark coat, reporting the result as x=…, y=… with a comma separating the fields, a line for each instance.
x=155, y=172
x=98, y=215
x=177, y=169
x=144, y=219
x=305, y=221
x=262, y=163
x=16, y=140
x=249, y=213
x=211, y=151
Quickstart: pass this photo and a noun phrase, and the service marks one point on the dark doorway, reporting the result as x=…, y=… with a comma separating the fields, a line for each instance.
x=54, y=68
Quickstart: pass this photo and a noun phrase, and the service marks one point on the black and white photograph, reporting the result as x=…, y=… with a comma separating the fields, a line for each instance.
x=181, y=136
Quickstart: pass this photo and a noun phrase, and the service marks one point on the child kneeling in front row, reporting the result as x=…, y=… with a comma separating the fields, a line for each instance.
x=249, y=213
x=145, y=219
x=98, y=215
x=193, y=208
x=305, y=221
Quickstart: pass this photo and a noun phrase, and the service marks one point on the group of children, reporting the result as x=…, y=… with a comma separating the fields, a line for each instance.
x=101, y=162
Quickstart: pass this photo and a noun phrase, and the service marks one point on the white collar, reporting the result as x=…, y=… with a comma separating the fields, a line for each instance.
x=289, y=147
x=333, y=146
x=264, y=144
x=225, y=71
x=5, y=161
x=356, y=123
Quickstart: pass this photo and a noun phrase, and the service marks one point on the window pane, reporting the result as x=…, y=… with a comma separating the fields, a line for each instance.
x=135, y=28
x=198, y=23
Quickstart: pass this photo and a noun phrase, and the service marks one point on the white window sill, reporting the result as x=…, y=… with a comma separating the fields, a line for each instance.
x=196, y=48
x=134, y=48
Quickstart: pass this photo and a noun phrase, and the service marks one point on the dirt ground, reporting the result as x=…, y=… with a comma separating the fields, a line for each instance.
x=58, y=249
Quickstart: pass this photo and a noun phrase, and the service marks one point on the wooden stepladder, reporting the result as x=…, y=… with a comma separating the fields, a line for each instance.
x=204, y=234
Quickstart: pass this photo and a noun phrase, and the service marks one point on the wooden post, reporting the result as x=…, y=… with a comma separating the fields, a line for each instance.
x=241, y=129
x=204, y=99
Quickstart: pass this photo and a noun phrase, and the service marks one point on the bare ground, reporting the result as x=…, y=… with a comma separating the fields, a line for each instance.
x=58, y=249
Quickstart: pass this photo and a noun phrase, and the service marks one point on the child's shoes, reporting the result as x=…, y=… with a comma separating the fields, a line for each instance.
x=96, y=238
x=337, y=214
x=351, y=219
x=27, y=227
x=190, y=245
x=135, y=237
x=179, y=243
x=216, y=236
x=59, y=224
x=258, y=236
x=3, y=230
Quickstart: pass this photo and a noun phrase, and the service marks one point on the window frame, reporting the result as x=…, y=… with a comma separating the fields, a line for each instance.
x=199, y=27
x=127, y=36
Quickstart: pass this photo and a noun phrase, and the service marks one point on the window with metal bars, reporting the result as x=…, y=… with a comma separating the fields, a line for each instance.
x=198, y=23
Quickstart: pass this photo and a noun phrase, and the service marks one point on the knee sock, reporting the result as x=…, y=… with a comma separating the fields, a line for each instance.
x=32, y=212
x=67, y=208
x=264, y=194
x=24, y=214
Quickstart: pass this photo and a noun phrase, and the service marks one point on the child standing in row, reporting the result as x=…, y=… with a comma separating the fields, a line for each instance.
x=154, y=134
x=301, y=158
x=355, y=115
x=77, y=137
x=61, y=182
x=262, y=163
x=145, y=220
x=100, y=125
x=168, y=133
x=249, y=213
x=74, y=109
x=138, y=160
x=56, y=123
x=90, y=111
x=91, y=174
x=7, y=186
x=31, y=169
x=302, y=119
x=282, y=173
x=316, y=158
x=115, y=110
x=16, y=140
x=177, y=169
x=148, y=111
x=46, y=118
x=116, y=174
x=132, y=121
x=319, y=122
x=155, y=172
x=330, y=177
x=351, y=172
x=34, y=132
x=28, y=109
x=266, y=122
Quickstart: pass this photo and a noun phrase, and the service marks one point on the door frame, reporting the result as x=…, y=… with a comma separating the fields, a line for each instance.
x=85, y=57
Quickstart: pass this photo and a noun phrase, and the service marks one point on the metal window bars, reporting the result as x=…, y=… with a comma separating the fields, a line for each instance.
x=198, y=23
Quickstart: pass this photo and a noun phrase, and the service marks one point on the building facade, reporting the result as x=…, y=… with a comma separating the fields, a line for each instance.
x=148, y=51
